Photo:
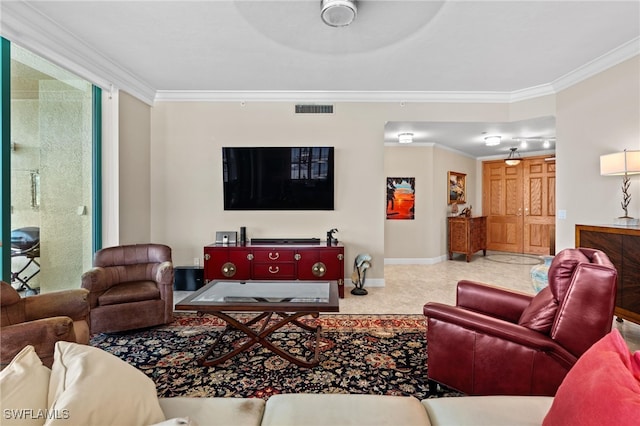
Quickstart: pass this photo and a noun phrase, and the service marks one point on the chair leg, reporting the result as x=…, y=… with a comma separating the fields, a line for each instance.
x=433, y=387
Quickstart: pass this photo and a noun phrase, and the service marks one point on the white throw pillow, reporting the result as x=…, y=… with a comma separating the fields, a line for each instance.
x=97, y=388
x=177, y=421
x=24, y=384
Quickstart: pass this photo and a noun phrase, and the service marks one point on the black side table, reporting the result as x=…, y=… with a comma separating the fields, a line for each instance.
x=188, y=278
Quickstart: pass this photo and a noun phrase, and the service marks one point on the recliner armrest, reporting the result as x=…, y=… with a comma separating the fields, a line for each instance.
x=71, y=303
x=496, y=302
x=42, y=334
x=164, y=274
x=490, y=326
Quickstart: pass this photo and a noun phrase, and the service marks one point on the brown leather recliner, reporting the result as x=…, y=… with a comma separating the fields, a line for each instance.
x=41, y=321
x=499, y=342
x=130, y=287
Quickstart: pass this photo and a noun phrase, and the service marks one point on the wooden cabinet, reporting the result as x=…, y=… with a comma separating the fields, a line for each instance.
x=467, y=235
x=622, y=245
x=275, y=262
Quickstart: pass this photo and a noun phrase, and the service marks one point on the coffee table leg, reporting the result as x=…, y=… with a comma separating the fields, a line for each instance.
x=262, y=337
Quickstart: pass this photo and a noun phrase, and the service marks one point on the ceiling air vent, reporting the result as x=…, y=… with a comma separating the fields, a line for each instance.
x=314, y=109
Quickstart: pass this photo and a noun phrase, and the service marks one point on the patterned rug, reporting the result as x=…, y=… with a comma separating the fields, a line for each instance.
x=373, y=354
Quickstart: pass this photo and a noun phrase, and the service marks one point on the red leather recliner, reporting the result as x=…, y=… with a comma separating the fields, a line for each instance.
x=499, y=342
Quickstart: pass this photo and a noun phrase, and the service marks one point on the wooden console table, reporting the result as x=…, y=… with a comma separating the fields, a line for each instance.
x=622, y=245
x=306, y=262
x=467, y=235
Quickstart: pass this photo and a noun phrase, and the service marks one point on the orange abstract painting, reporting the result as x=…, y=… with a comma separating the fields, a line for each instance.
x=401, y=197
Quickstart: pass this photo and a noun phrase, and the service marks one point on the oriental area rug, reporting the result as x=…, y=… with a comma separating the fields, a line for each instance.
x=366, y=354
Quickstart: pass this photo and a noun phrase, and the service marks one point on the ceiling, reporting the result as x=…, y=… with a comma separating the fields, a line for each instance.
x=393, y=51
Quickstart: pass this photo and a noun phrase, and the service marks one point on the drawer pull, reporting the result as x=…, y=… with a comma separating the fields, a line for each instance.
x=340, y=256
x=319, y=269
x=274, y=270
x=274, y=256
x=207, y=256
x=228, y=269
x=298, y=256
x=250, y=256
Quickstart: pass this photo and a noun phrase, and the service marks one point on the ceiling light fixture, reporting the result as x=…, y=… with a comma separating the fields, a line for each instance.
x=405, y=138
x=338, y=13
x=492, y=140
x=514, y=158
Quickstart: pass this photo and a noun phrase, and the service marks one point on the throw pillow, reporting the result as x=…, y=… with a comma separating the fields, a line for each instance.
x=97, y=388
x=23, y=386
x=541, y=312
x=602, y=388
x=177, y=421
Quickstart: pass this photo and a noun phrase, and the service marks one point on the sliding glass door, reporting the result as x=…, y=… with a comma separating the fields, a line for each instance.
x=51, y=155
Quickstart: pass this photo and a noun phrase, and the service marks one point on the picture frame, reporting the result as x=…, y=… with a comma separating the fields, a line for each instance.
x=400, y=204
x=456, y=188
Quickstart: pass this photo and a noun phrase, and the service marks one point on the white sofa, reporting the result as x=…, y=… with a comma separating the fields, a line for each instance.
x=87, y=386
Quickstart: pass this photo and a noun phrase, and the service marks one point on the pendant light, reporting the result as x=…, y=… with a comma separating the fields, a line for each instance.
x=514, y=158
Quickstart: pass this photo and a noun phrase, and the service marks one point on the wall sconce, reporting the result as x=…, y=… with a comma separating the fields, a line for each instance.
x=514, y=158
x=492, y=140
x=405, y=138
x=622, y=164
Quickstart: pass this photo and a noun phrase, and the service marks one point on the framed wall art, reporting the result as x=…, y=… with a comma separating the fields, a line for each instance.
x=456, y=188
x=401, y=198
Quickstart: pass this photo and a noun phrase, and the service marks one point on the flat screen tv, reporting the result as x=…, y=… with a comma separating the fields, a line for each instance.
x=278, y=178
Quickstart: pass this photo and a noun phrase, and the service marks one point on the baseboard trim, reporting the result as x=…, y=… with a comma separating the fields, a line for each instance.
x=415, y=260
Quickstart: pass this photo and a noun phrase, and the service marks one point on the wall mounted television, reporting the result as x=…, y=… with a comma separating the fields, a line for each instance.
x=278, y=178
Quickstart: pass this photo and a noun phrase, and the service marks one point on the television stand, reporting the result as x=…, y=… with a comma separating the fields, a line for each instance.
x=271, y=261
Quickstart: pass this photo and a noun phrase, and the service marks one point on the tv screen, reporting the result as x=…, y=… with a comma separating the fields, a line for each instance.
x=278, y=178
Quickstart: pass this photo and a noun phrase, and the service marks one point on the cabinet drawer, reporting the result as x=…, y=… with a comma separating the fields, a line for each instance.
x=274, y=270
x=273, y=255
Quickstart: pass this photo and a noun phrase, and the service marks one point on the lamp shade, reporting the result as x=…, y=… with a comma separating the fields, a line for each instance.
x=620, y=163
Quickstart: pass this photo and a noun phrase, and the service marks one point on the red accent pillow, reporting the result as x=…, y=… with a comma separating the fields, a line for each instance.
x=602, y=388
x=541, y=312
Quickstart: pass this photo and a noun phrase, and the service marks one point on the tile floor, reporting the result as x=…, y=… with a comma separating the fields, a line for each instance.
x=408, y=287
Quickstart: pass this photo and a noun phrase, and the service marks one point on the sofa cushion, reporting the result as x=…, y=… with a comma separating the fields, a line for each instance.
x=343, y=409
x=130, y=292
x=24, y=384
x=95, y=387
x=541, y=312
x=603, y=387
x=215, y=411
x=488, y=410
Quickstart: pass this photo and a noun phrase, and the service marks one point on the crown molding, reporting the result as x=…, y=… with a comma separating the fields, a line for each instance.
x=616, y=56
x=26, y=26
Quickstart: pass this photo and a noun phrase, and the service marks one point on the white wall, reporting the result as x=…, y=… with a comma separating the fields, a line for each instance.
x=424, y=239
x=598, y=116
x=134, y=156
x=186, y=175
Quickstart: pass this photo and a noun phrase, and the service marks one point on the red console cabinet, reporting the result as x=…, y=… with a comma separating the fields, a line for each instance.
x=275, y=262
x=230, y=262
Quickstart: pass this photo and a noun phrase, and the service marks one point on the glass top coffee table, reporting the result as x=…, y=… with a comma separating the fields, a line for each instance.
x=275, y=304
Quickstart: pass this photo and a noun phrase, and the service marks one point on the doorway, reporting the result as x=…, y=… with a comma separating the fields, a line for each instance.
x=519, y=202
x=51, y=174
